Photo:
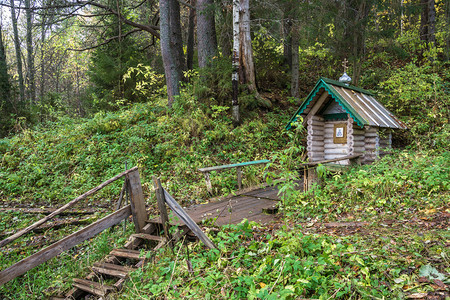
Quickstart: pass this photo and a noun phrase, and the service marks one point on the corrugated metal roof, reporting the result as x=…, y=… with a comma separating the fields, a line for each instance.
x=358, y=103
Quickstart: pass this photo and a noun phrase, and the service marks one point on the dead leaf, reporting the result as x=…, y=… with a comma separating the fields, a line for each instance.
x=440, y=284
x=417, y=296
x=423, y=279
x=222, y=291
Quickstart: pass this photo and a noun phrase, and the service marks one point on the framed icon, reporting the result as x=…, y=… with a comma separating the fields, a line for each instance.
x=340, y=133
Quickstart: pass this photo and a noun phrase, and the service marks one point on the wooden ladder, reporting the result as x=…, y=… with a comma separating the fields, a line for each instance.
x=116, y=266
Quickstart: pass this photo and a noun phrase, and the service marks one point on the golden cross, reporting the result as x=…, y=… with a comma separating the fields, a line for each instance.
x=344, y=64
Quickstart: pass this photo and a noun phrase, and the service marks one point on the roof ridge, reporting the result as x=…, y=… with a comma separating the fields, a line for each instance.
x=350, y=87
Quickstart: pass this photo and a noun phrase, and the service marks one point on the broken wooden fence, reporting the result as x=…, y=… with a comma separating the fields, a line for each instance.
x=135, y=208
x=163, y=198
x=238, y=167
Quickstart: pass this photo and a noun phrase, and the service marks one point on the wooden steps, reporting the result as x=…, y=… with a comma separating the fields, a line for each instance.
x=92, y=287
x=116, y=266
x=148, y=237
x=126, y=253
x=112, y=270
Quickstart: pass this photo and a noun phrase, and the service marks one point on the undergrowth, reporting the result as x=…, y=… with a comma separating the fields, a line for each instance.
x=54, y=163
x=401, y=185
x=257, y=262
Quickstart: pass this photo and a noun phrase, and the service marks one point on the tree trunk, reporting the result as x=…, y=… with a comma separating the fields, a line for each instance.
x=287, y=45
x=6, y=105
x=295, y=62
x=5, y=88
x=428, y=21
x=18, y=54
x=247, y=70
x=191, y=38
x=171, y=46
x=42, y=71
x=206, y=32
x=30, y=54
x=226, y=30
x=235, y=75
x=447, y=18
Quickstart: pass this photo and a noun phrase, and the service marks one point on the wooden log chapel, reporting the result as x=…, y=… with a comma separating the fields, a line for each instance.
x=343, y=120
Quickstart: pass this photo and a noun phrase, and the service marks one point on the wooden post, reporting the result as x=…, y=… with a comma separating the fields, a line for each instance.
x=160, y=199
x=137, y=201
x=239, y=177
x=305, y=179
x=312, y=177
x=208, y=182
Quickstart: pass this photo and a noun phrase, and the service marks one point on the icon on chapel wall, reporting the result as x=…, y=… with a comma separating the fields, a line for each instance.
x=340, y=133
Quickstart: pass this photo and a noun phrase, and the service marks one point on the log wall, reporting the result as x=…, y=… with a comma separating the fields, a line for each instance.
x=315, y=139
x=332, y=150
x=355, y=140
x=385, y=141
x=372, y=144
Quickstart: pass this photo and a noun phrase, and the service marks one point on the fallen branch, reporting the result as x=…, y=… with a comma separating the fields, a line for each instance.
x=39, y=211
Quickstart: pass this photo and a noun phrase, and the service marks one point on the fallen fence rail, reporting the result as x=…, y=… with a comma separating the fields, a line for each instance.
x=136, y=208
x=66, y=243
x=64, y=207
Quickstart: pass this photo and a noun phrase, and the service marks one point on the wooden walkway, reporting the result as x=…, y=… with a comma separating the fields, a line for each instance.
x=259, y=205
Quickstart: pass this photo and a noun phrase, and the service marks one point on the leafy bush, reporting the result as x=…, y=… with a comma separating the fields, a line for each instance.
x=399, y=185
x=420, y=97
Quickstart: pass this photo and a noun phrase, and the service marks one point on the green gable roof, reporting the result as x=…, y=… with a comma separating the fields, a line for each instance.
x=358, y=103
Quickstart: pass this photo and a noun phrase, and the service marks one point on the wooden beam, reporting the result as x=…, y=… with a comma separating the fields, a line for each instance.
x=219, y=168
x=315, y=163
x=318, y=104
x=137, y=200
x=64, y=207
x=208, y=182
x=66, y=243
x=186, y=219
x=161, y=201
x=239, y=177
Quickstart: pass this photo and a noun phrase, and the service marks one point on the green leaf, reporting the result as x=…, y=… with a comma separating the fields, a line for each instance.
x=431, y=273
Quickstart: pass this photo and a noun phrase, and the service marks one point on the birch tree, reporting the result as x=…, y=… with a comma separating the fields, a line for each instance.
x=235, y=75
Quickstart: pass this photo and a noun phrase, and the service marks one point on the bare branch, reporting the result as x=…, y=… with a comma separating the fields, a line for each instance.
x=187, y=4
x=149, y=28
x=106, y=41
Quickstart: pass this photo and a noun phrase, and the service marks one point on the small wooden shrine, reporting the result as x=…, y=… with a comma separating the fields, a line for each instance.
x=343, y=120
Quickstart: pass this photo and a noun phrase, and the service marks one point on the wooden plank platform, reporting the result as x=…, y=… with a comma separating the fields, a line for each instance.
x=251, y=205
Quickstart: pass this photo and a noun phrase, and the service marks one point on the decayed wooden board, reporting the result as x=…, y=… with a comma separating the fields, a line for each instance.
x=64, y=207
x=110, y=272
x=178, y=210
x=66, y=243
x=137, y=200
x=162, y=207
x=92, y=287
